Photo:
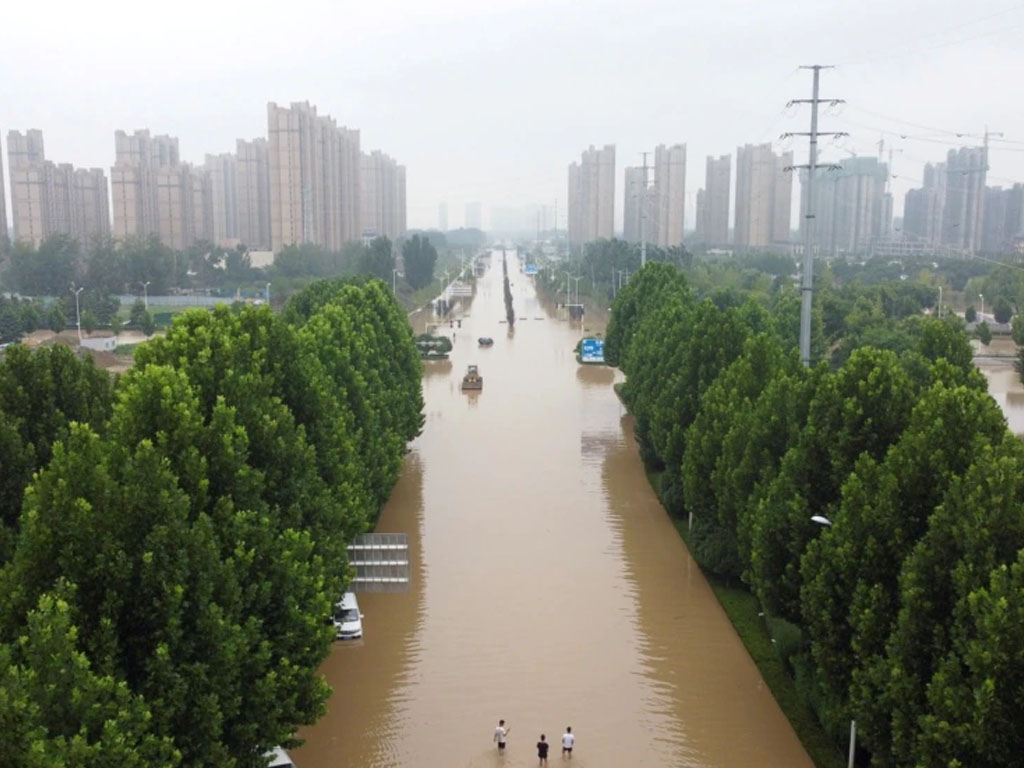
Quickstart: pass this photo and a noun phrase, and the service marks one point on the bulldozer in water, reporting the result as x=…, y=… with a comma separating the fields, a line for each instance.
x=472, y=379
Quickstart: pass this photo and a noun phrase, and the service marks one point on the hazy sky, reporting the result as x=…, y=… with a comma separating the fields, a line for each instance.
x=492, y=100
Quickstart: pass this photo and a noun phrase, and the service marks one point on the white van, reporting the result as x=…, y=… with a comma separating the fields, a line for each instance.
x=348, y=621
x=279, y=759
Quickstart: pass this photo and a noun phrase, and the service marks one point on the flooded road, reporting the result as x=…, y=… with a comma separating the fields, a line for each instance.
x=549, y=587
x=996, y=362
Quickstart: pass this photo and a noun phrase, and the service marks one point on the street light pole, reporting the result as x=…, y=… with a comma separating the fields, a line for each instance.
x=78, y=315
x=940, y=301
x=394, y=283
x=982, y=306
x=268, y=294
x=826, y=523
x=145, y=293
x=577, y=286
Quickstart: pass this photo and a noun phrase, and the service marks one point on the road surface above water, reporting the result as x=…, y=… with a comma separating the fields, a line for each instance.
x=549, y=586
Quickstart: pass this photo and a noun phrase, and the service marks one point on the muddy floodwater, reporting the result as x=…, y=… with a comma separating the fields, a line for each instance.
x=996, y=362
x=549, y=588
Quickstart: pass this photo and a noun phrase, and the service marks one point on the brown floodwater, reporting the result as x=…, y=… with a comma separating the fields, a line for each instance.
x=996, y=362
x=549, y=588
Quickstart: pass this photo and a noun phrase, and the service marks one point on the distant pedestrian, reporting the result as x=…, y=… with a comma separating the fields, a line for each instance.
x=542, y=750
x=500, y=735
x=568, y=741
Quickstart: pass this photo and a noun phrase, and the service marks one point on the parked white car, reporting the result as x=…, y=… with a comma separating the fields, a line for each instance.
x=279, y=759
x=348, y=621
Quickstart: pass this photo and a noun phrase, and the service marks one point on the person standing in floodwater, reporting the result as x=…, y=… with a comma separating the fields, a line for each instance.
x=500, y=735
x=542, y=750
x=568, y=741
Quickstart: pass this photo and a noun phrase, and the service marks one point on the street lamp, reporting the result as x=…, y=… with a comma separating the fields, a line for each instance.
x=394, y=278
x=982, y=306
x=78, y=315
x=822, y=520
x=577, y=286
x=145, y=292
x=268, y=294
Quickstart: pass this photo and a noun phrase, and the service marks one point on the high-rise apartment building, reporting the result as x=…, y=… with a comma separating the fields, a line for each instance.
x=252, y=193
x=90, y=209
x=49, y=199
x=764, y=191
x=640, y=210
x=3, y=206
x=223, y=188
x=382, y=191
x=670, y=192
x=922, y=208
x=632, y=194
x=474, y=216
x=964, y=204
x=851, y=206
x=592, y=196
x=1003, y=219
x=717, y=178
x=442, y=216
x=315, y=167
x=701, y=225
x=134, y=182
x=29, y=199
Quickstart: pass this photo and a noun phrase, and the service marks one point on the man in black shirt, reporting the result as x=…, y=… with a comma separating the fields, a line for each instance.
x=542, y=750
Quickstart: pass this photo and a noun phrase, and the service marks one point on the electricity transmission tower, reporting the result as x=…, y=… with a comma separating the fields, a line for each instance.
x=807, y=285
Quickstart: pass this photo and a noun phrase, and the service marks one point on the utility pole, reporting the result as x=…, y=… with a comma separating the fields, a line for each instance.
x=807, y=283
x=980, y=215
x=643, y=215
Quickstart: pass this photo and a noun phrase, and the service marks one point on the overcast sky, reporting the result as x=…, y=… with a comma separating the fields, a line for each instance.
x=491, y=100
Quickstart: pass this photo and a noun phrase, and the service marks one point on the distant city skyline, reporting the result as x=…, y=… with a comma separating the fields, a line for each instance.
x=449, y=90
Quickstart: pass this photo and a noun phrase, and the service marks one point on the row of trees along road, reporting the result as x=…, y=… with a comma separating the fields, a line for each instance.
x=173, y=542
x=907, y=612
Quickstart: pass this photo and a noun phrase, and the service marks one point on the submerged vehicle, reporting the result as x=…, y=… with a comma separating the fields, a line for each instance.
x=485, y=341
x=348, y=621
x=472, y=379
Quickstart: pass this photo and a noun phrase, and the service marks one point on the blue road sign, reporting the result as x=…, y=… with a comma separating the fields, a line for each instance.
x=592, y=351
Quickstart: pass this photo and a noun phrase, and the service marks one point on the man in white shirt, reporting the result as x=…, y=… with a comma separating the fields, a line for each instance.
x=568, y=740
x=500, y=734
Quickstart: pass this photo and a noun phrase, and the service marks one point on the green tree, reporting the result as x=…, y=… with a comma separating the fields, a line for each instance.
x=1017, y=330
x=864, y=407
x=59, y=711
x=46, y=271
x=725, y=403
x=644, y=293
x=971, y=314
x=977, y=694
x=41, y=393
x=89, y=321
x=146, y=324
x=976, y=529
x=55, y=319
x=377, y=259
x=105, y=268
x=137, y=316
x=983, y=333
x=10, y=321
x=851, y=572
x=419, y=256
x=1002, y=310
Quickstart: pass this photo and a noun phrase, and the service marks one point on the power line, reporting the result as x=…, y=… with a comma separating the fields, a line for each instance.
x=911, y=47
